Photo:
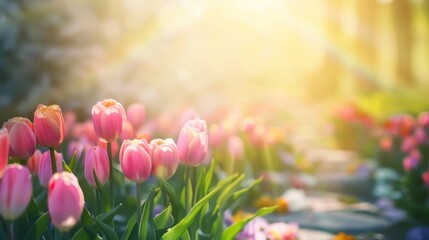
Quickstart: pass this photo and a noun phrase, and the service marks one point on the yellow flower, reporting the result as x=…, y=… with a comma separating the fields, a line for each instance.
x=343, y=236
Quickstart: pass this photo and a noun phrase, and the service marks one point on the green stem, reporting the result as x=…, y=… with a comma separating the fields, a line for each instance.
x=98, y=198
x=138, y=205
x=57, y=234
x=109, y=152
x=10, y=233
x=187, y=207
x=53, y=160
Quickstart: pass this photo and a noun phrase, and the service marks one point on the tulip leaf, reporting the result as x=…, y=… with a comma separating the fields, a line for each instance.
x=177, y=231
x=228, y=191
x=130, y=226
x=178, y=210
x=81, y=235
x=38, y=228
x=87, y=218
x=209, y=176
x=200, y=188
x=66, y=167
x=108, y=231
x=103, y=194
x=164, y=219
x=33, y=208
x=147, y=226
x=73, y=161
x=236, y=195
x=235, y=228
x=2, y=233
x=186, y=236
x=107, y=217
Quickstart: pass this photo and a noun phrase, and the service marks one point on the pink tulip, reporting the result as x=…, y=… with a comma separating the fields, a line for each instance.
x=70, y=121
x=420, y=135
x=34, y=161
x=136, y=115
x=97, y=159
x=78, y=146
x=412, y=160
x=235, y=147
x=425, y=177
x=423, y=119
x=115, y=146
x=165, y=157
x=16, y=190
x=4, y=149
x=128, y=131
x=189, y=115
x=45, y=167
x=217, y=135
x=193, y=142
x=108, y=117
x=21, y=137
x=135, y=160
x=49, y=125
x=408, y=143
x=65, y=200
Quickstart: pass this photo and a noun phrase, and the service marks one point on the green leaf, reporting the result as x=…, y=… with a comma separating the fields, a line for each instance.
x=73, y=161
x=228, y=191
x=200, y=188
x=2, y=233
x=81, y=235
x=108, y=231
x=107, y=217
x=147, y=226
x=130, y=226
x=209, y=176
x=178, y=210
x=236, y=195
x=164, y=219
x=186, y=236
x=38, y=228
x=178, y=230
x=86, y=218
x=33, y=208
x=235, y=228
x=103, y=194
x=66, y=167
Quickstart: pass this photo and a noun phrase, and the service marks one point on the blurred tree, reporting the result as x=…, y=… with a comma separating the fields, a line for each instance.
x=402, y=21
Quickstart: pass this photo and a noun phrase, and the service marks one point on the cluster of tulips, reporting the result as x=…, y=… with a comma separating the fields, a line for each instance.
x=178, y=178
x=404, y=146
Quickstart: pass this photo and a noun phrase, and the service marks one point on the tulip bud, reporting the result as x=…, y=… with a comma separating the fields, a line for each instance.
x=97, y=159
x=21, y=137
x=4, y=149
x=49, y=125
x=16, y=190
x=165, y=157
x=34, y=161
x=135, y=160
x=136, y=115
x=65, y=200
x=235, y=147
x=425, y=177
x=108, y=117
x=45, y=167
x=193, y=142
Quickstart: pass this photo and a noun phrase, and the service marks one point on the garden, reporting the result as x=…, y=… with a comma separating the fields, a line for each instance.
x=199, y=120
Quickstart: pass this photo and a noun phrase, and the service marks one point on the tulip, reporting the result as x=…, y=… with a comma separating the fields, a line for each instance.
x=135, y=160
x=78, y=147
x=217, y=135
x=165, y=157
x=420, y=135
x=235, y=147
x=16, y=190
x=193, y=142
x=97, y=160
x=34, y=161
x=136, y=115
x=108, y=117
x=408, y=144
x=45, y=167
x=412, y=160
x=65, y=200
x=21, y=137
x=425, y=177
x=4, y=149
x=423, y=119
x=49, y=125
x=128, y=131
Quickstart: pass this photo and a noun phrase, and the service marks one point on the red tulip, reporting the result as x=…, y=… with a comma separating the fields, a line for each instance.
x=108, y=117
x=21, y=137
x=49, y=125
x=65, y=200
x=193, y=142
x=165, y=157
x=45, y=167
x=16, y=190
x=97, y=159
x=136, y=115
x=4, y=149
x=135, y=160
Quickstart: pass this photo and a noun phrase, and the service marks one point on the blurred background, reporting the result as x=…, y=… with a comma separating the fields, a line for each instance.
x=204, y=54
